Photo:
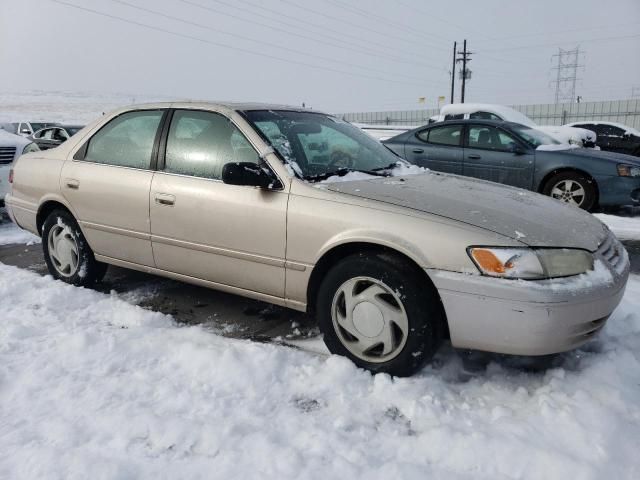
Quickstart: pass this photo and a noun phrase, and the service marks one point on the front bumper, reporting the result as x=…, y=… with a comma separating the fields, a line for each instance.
x=532, y=317
x=615, y=190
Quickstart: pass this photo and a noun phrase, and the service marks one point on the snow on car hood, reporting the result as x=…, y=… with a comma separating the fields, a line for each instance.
x=572, y=135
x=10, y=140
x=528, y=217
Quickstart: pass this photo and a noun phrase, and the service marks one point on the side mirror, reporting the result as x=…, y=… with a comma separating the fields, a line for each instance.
x=517, y=149
x=248, y=173
x=24, y=131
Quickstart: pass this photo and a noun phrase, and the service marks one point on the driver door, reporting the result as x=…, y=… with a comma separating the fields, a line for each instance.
x=202, y=228
x=489, y=155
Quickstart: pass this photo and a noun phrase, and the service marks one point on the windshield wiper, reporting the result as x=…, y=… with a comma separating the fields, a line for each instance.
x=391, y=166
x=341, y=172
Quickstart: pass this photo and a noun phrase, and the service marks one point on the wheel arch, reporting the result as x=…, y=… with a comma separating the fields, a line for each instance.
x=48, y=206
x=336, y=253
x=558, y=170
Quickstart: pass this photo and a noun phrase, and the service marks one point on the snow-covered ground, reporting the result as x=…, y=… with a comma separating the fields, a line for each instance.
x=93, y=386
x=10, y=234
x=625, y=228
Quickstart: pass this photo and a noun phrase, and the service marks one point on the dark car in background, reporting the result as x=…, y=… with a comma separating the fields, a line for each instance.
x=51, y=137
x=522, y=156
x=613, y=137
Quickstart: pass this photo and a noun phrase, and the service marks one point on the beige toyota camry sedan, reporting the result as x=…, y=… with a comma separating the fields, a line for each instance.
x=301, y=209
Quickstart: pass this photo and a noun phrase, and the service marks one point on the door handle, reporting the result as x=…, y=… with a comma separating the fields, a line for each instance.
x=165, y=199
x=474, y=157
x=418, y=150
x=72, y=183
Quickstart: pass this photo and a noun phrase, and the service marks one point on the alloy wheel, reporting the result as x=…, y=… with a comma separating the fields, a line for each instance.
x=569, y=191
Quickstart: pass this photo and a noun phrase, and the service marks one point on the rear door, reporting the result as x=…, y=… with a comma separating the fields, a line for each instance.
x=490, y=154
x=438, y=148
x=108, y=183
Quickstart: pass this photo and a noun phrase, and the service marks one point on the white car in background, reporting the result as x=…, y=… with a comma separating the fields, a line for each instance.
x=580, y=137
x=11, y=147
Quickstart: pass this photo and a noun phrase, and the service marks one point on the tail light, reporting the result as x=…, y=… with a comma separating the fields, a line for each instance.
x=11, y=176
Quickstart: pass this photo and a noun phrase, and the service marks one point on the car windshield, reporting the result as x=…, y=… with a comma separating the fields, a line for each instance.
x=38, y=126
x=316, y=145
x=534, y=137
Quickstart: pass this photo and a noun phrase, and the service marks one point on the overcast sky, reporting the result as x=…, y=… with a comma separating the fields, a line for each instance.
x=335, y=55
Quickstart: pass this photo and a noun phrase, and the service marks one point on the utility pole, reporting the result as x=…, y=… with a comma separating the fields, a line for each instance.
x=453, y=71
x=465, y=73
x=566, y=74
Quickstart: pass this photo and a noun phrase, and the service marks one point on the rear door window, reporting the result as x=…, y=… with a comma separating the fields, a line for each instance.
x=126, y=141
x=201, y=143
x=444, y=135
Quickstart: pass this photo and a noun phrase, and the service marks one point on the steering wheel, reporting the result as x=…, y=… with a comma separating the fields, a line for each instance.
x=340, y=159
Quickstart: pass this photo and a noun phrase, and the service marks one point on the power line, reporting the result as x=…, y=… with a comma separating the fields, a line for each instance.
x=546, y=34
x=261, y=42
x=329, y=29
x=430, y=15
x=346, y=22
x=385, y=20
x=341, y=45
x=231, y=47
x=601, y=39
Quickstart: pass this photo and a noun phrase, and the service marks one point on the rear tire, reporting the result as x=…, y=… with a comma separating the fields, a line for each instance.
x=377, y=310
x=67, y=253
x=573, y=188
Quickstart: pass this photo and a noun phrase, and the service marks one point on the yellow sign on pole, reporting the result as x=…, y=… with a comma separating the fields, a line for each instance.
x=422, y=99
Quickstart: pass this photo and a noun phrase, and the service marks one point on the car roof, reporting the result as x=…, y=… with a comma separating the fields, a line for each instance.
x=496, y=123
x=238, y=106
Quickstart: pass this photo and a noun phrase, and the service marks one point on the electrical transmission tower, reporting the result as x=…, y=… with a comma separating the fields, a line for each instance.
x=566, y=74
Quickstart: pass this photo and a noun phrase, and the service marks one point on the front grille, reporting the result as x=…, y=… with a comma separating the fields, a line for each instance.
x=7, y=154
x=612, y=252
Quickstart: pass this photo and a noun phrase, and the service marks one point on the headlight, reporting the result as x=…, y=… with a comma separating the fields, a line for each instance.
x=628, y=170
x=529, y=263
x=30, y=147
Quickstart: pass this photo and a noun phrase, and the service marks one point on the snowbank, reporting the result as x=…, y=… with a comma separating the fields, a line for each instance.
x=94, y=387
x=625, y=228
x=10, y=234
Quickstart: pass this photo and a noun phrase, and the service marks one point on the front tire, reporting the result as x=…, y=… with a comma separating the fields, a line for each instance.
x=573, y=188
x=67, y=253
x=377, y=310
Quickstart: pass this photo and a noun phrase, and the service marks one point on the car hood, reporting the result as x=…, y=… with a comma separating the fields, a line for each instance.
x=10, y=140
x=599, y=154
x=528, y=217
